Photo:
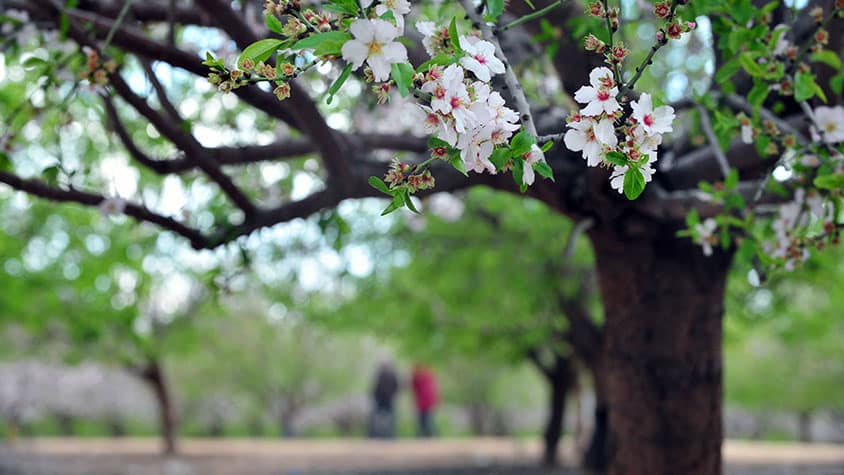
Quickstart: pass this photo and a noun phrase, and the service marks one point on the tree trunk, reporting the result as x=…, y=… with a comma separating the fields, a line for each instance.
x=804, y=426
x=663, y=303
x=65, y=423
x=596, y=457
x=155, y=376
x=560, y=379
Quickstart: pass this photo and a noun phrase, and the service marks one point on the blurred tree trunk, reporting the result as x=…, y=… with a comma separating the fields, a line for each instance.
x=155, y=376
x=116, y=426
x=65, y=423
x=804, y=426
x=560, y=380
x=663, y=302
x=596, y=456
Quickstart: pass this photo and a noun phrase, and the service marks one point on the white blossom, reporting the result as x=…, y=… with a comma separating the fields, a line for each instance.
x=480, y=58
x=373, y=43
x=534, y=155
x=705, y=235
x=590, y=137
x=830, y=120
x=653, y=121
x=400, y=8
x=600, y=95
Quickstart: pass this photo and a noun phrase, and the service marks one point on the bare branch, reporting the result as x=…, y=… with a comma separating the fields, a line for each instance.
x=185, y=142
x=714, y=145
x=141, y=213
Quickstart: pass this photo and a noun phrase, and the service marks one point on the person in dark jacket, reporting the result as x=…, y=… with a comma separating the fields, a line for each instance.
x=426, y=393
x=382, y=423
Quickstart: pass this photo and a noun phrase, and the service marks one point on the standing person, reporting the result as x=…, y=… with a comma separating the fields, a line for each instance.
x=382, y=423
x=427, y=396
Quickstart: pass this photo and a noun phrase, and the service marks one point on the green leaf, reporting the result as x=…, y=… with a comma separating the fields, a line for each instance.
x=819, y=92
x=260, y=50
x=500, y=157
x=5, y=162
x=453, y=36
x=521, y=143
x=616, y=158
x=757, y=95
x=634, y=183
x=51, y=175
x=402, y=74
x=388, y=15
x=314, y=41
x=544, y=170
x=213, y=62
x=458, y=163
x=830, y=182
x=398, y=202
x=727, y=71
x=827, y=57
x=440, y=60
x=804, y=86
x=33, y=62
x=434, y=142
x=732, y=179
x=519, y=172
x=379, y=185
x=692, y=218
x=408, y=201
x=748, y=62
x=836, y=83
x=338, y=83
x=274, y=24
x=494, y=9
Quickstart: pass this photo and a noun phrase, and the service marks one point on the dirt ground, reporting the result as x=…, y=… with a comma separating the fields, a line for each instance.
x=480, y=456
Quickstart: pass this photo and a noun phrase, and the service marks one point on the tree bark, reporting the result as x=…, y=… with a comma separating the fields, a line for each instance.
x=663, y=303
x=560, y=379
x=155, y=376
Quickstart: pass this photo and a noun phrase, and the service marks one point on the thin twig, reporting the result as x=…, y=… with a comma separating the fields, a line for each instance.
x=532, y=16
x=510, y=78
x=706, y=124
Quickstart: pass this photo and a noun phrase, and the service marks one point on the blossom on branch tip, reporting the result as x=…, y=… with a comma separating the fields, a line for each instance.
x=600, y=95
x=374, y=43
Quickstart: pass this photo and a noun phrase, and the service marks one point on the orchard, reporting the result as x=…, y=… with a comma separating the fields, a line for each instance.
x=681, y=139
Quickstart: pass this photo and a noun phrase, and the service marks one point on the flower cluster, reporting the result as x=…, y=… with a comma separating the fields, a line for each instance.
x=468, y=115
x=790, y=242
x=96, y=70
x=595, y=130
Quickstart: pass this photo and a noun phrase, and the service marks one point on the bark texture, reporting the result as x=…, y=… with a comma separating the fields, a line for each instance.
x=663, y=302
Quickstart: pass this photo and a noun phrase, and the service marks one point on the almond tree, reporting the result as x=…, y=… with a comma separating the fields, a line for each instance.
x=762, y=116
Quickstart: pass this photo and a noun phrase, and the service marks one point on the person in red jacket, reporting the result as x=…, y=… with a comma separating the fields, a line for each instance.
x=427, y=396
